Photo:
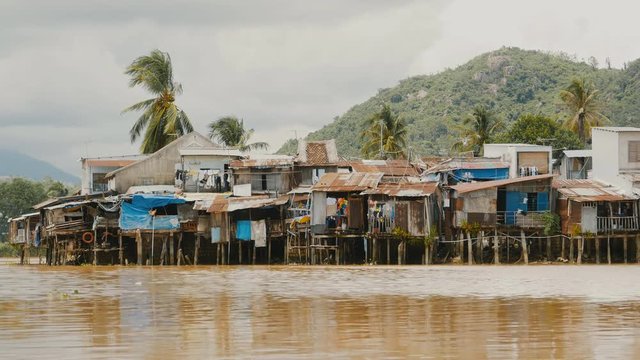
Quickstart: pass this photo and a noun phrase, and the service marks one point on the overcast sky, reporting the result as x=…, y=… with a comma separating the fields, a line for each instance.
x=282, y=65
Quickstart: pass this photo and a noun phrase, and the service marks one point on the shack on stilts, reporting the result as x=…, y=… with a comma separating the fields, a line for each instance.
x=504, y=211
x=24, y=234
x=593, y=214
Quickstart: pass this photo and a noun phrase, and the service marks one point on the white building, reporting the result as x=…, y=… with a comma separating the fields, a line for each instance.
x=575, y=164
x=524, y=159
x=94, y=171
x=616, y=157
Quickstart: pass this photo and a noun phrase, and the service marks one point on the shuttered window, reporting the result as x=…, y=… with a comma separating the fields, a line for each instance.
x=634, y=151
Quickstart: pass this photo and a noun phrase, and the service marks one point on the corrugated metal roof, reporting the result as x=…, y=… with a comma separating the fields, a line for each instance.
x=63, y=199
x=24, y=217
x=202, y=201
x=346, y=182
x=231, y=204
x=301, y=190
x=578, y=153
x=616, y=128
x=386, y=167
x=210, y=152
x=467, y=164
x=152, y=189
x=314, y=153
x=403, y=189
x=68, y=205
x=262, y=161
x=481, y=185
x=586, y=190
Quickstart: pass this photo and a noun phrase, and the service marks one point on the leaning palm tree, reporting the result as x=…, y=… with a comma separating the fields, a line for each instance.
x=162, y=120
x=230, y=131
x=477, y=129
x=385, y=136
x=583, y=102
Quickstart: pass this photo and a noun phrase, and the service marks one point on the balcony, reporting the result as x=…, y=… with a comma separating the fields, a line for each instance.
x=530, y=219
x=617, y=223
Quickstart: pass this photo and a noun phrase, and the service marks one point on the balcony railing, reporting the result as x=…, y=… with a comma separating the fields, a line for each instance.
x=380, y=225
x=520, y=219
x=617, y=223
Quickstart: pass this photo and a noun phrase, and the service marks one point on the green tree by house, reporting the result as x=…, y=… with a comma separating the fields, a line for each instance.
x=162, y=121
x=582, y=100
x=477, y=129
x=230, y=131
x=387, y=132
x=540, y=130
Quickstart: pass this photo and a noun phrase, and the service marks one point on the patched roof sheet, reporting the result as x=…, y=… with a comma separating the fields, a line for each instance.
x=386, y=167
x=586, y=190
x=346, y=182
x=481, y=185
x=230, y=204
x=403, y=189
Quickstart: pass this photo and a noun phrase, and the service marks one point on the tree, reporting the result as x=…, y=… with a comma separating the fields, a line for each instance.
x=385, y=131
x=478, y=128
x=162, y=120
x=17, y=196
x=230, y=131
x=583, y=102
x=540, y=130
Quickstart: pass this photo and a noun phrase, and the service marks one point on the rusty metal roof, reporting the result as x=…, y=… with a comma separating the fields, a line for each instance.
x=347, y=182
x=314, y=153
x=230, y=204
x=467, y=164
x=386, y=167
x=257, y=161
x=403, y=189
x=202, y=201
x=482, y=185
x=587, y=190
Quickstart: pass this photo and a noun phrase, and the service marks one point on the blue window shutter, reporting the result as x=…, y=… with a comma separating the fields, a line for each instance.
x=543, y=201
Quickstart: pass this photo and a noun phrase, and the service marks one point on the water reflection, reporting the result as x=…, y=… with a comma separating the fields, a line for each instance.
x=442, y=312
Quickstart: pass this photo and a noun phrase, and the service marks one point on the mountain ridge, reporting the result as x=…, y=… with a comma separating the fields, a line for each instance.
x=510, y=81
x=17, y=164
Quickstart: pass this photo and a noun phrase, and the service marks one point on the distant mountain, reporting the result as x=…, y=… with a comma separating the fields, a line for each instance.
x=510, y=81
x=13, y=163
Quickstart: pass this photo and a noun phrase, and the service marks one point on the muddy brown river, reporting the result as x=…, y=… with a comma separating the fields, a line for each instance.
x=439, y=312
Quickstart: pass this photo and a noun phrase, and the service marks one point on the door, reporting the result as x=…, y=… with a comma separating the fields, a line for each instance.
x=589, y=219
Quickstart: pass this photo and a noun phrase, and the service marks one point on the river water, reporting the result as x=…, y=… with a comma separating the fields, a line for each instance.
x=477, y=312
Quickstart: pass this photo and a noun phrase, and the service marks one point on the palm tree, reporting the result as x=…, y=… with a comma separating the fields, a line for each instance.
x=162, y=120
x=230, y=131
x=583, y=101
x=478, y=128
x=385, y=136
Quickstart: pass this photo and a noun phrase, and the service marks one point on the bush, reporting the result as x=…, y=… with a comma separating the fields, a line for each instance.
x=7, y=250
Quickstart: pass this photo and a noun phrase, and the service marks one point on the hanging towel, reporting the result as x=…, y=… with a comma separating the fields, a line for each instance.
x=243, y=230
x=259, y=233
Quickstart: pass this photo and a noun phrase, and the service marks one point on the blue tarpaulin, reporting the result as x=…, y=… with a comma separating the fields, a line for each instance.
x=135, y=215
x=243, y=230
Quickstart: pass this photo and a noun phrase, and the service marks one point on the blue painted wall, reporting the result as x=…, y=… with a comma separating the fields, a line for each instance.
x=482, y=174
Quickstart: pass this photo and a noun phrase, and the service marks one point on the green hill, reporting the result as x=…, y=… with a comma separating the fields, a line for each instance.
x=510, y=81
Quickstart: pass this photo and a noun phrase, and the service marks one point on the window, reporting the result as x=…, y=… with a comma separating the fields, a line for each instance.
x=264, y=182
x=532, y=201
x=634, y=151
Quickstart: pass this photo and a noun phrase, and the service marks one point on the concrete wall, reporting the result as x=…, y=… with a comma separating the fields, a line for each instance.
x=610, y=156
x=509, y=153
x=160, y=167
x=87, y=176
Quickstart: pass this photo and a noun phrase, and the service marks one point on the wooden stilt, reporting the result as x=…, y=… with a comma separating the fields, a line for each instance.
x=469, y=249
x=171, y=249
x=571, y=251
x=496, y=248
x=389, y=251
x=461, y=245
x=197, y=250
x=597, y=245
x=624, y=246
x=180, y=256
x=269, y=251
x=95, y=248
x=120, y=250
x=239, y=252
x=163, y=252
x=525, y=253
x=580, y=249
x=638, y=248
x=479, y=247
x=549, y=249
x=562, y=252
x=139, y=246
x=374, y=251
x=609, y=249
x=253, y=260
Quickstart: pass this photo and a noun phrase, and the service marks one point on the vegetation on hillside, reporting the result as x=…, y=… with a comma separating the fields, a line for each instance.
x=540, y=130
x=230, y=131
x=162, y=120
x=510, y=82
x=384, y=136
x=582, y=100
x=480, y=127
